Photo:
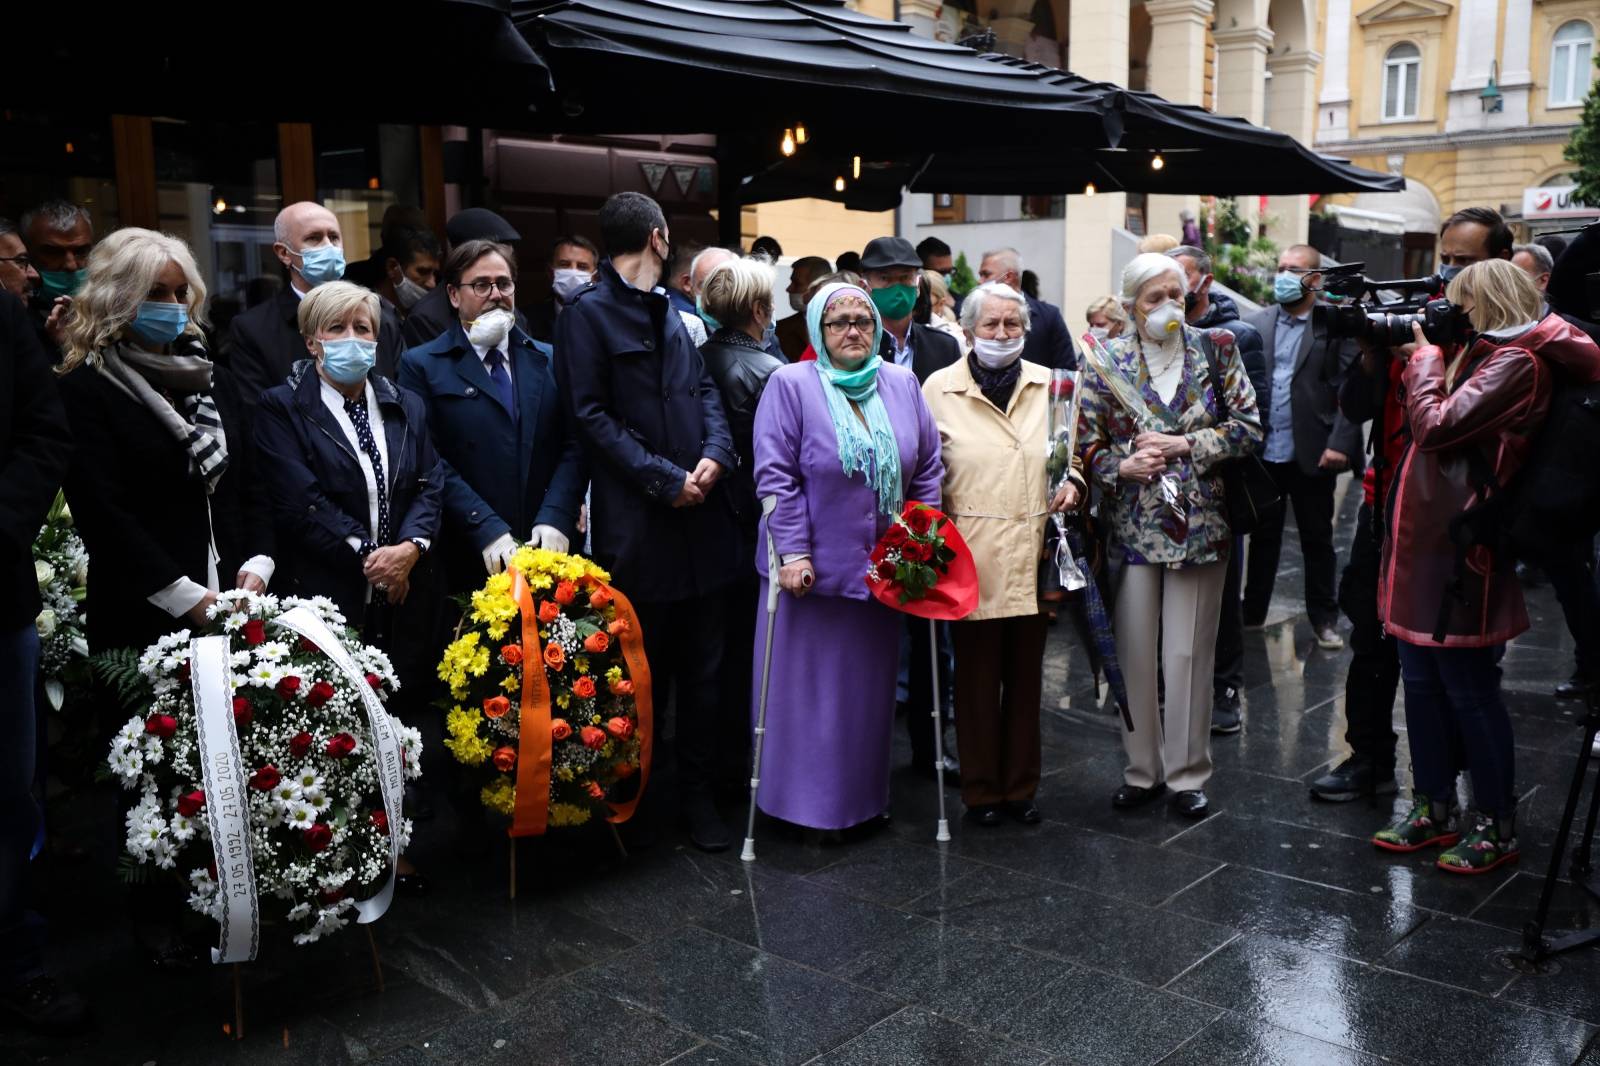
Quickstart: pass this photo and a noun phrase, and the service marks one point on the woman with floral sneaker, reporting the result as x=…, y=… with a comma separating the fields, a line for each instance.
x=1470, y=408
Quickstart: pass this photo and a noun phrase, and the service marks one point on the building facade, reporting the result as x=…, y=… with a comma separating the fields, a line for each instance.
x=1471, y=102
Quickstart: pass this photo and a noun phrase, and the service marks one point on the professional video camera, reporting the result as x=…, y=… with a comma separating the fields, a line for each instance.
x=1387, y=322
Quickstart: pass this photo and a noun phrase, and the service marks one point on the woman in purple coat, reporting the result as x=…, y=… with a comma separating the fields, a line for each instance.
x=842, y=443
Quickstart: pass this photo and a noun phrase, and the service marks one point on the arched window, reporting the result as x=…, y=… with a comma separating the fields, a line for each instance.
x=1402, y=70
x=1571, y=56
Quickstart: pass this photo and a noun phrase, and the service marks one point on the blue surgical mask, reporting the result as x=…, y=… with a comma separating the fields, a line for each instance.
x=322, y=264
x=712, y=325
x=55, y=283
x=348, y=360
x=769, y=335
x=1449, y=272
x=1287, y=287
x=160, y=322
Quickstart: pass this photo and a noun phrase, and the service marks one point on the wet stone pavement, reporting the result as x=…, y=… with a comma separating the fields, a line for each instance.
x=1270, y=933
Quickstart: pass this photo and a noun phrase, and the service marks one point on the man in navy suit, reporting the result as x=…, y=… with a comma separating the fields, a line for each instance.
x=513, y=468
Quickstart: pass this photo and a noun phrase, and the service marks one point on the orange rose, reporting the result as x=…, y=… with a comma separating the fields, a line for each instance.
x=566, y=592
x=625, y=770
x=559, y=729
x=622, y=688
x=504, y=758
x=592, y=738
x=600, y=598
x=597, y=643
x=548, y=612
x=512, y=654
x=496, y=707
x=594, y=789
x=619, y=727
x=554, y=657
x=583, y=688
x=619, y=627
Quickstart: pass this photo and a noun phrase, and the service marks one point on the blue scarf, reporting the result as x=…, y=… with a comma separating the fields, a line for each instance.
x=872, y=448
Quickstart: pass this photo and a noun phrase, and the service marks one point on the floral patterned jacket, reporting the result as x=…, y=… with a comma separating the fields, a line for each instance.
x=1140, y=520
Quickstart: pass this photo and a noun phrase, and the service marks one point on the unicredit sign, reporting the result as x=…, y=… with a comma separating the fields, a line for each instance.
x=1555, y=201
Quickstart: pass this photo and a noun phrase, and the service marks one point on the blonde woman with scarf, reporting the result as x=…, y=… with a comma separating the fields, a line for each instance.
x=843, y=443
x=160, y=483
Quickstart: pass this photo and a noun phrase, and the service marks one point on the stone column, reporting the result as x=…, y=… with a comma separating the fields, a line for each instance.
x=1475, y=33
x=1516, y=69
x=1242, y=85
x=1291, y=108
x=1098, y=50
x=1177, y=71
x=1333, y=112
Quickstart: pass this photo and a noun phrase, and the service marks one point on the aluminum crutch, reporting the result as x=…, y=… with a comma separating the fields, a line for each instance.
x=768, y=504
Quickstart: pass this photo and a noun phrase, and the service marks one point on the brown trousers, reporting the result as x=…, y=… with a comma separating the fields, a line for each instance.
x=999, y=675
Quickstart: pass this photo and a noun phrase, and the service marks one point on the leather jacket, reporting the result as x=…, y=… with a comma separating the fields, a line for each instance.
x=1500, y=399
x=740, y=367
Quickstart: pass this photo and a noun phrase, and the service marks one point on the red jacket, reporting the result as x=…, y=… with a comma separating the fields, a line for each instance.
x=1500, y=399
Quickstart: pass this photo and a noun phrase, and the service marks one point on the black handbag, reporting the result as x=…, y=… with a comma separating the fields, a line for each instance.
x=1250, y=494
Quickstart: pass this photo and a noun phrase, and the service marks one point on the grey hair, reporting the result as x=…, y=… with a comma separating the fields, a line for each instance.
x=56, y=215
x=1010, y=257
x=1202, y=261
x=1540, y=254
x=710, y=249
x=972, y=306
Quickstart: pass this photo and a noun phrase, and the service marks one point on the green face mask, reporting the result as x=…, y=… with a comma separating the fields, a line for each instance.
x=895, y=302
x=55, y=283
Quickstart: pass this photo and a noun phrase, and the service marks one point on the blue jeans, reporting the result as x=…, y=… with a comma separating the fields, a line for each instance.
x=21, y=931
x=1453, y=697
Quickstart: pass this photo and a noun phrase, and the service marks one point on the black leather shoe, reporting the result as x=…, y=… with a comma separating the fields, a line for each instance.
x=707, y=830
x=1192, y=803
x=987, y=815
x=1570, y=689
x=1133, y=796
x=415, y=885
x=1026, y=813
x=1352, y=778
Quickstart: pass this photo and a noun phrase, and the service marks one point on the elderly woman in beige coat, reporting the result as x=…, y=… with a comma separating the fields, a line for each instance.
x=992, y=409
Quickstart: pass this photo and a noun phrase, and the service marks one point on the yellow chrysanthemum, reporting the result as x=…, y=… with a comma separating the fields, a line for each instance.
x=581, y=662
x=563, y=701
x=567, y=814
x=614, y=675
x=511, y=682
x=564, y=773
x=500, y=795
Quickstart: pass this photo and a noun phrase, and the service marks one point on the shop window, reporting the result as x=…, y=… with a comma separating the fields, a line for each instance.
x=1571, y=56
x=54, y=156
x=217, y=188
x=1402, y=70
x=362, y=171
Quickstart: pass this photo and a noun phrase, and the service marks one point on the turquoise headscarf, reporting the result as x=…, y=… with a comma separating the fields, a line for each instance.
x=871, y=449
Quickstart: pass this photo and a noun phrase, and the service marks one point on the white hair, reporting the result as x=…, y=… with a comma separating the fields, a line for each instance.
x=735, y=289
x=1145, y=268
x=972, y=306
x=1010, y=259
x=122, y=268
x=694, y=263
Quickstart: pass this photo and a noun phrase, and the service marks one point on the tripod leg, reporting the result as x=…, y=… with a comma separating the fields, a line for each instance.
x=1533, y=938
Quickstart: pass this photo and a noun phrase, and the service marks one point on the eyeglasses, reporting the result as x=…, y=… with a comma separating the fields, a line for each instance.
x=23, y=262
x=483, y=286
x=840, y=326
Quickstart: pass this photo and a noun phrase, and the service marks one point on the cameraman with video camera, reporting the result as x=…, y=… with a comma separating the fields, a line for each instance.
x=1447, y=591
x=1369, y=395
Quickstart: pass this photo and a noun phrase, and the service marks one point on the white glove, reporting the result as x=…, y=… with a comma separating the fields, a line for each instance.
x=549, y=538
x=497, y=556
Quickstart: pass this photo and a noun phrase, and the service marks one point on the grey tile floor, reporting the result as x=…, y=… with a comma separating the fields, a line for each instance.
x=1271, y=933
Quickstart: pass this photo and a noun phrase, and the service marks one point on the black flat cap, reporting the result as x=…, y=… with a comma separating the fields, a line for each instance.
x=882, y=253
x=479, y=224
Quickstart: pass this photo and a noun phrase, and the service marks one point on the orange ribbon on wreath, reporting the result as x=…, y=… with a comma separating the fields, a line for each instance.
x=534, y=742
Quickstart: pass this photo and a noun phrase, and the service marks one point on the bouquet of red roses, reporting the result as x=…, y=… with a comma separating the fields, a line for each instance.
x=922, y=566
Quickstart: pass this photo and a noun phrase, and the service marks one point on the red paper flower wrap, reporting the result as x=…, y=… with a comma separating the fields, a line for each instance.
x=924, y=543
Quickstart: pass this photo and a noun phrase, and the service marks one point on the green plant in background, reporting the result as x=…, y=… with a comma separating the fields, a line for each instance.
x=1242, y=261
x=961, y=280
x=1584, y=148
x=1230, y=227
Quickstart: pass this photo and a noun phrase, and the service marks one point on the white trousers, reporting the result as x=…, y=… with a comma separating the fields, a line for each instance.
x=1173, y=612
